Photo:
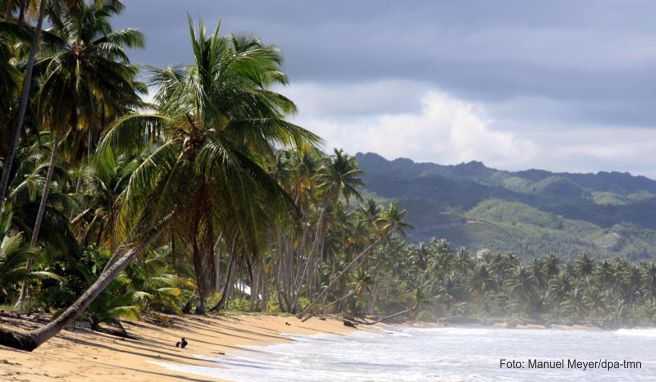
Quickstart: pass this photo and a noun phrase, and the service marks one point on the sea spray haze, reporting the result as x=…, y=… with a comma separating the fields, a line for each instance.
x=408, y=354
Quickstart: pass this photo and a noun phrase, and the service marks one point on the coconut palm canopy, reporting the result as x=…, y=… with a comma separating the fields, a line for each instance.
x=215, y=130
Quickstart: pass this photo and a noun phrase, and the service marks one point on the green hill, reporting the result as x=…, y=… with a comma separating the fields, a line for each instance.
x=529, y=213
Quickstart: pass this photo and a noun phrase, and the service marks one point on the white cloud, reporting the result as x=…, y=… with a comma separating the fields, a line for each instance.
x=410, y=119
x=401, y=118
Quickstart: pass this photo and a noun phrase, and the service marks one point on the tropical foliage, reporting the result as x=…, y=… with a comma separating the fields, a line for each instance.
x=209, y=198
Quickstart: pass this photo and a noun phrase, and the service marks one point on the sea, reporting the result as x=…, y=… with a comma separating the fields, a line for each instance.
x=400, y=354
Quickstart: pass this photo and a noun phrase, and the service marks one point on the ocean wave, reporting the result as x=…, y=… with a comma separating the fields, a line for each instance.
x=397, y=333
x=637, y=332
x=454, y=331
x=447, y=354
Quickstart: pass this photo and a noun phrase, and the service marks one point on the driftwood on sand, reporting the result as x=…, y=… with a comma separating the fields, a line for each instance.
x=381, y=319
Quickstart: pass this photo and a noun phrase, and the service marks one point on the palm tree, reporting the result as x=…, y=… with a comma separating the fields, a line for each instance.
x=103, y=181
x=216, y=119
x=522, y=285
x=25, y=98
x=297, y=243
x=584, y=265
x=551, y=266
x=559, y=288
x=650, y=280
x=448, y=291
x=87, y=81
x=390, y=223
x=340, y=177
x=217, y=125
x=463, y=262
x=35, y=338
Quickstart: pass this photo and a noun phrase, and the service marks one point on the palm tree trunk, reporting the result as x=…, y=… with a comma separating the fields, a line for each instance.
x=226, y=287
x=373, y=297
x=25, y=98
x=22, y=11
x=35, y=338
x=44, y=195
x=8, y=7
x=385, y=318
x=200, y=283
x=23, y=296
x=332, y=282
x=174, y=262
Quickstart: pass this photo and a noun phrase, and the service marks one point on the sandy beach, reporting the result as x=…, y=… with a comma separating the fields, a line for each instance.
x=83, y=355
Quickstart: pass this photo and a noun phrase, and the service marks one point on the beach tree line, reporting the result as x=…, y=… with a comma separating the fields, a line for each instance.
x=207, y=197
x=164, y=203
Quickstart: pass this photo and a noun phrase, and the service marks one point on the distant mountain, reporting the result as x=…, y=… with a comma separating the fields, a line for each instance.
x=530, y=213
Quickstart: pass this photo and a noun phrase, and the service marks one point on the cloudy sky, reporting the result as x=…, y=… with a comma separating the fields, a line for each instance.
x=561, y=85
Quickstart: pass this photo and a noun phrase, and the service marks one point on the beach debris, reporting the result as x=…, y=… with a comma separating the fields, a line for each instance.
x=287, y=324
x=182, y=343
x=350, y=324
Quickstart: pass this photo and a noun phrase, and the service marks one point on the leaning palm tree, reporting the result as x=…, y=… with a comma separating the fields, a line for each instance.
x=391, y=222
x=217, y=123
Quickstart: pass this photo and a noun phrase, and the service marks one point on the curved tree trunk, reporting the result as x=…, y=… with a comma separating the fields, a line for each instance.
x=35, y=338
x=332, y=282
x=25, y=98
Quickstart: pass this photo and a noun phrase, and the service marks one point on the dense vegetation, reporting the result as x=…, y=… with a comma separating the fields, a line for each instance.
x=208, y=198
x=456, y=285
x=531, y=213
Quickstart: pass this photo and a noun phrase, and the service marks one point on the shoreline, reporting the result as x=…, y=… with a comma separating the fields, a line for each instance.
x=82, y=355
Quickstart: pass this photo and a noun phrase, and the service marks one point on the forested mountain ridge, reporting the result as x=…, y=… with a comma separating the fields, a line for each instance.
x=530, y=213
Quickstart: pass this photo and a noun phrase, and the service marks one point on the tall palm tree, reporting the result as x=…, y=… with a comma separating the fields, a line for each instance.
x=217, y=125
x=218, y=122
x=297, y=244
x=25, y=98
x=340, y=177
x=392, y=222
x=87, y=80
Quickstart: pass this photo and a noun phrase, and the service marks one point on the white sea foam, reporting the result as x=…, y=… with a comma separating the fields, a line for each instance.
x=636, y=332
x=410, y=354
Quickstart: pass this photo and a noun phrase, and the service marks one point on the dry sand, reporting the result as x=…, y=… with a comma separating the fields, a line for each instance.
x=82, y=355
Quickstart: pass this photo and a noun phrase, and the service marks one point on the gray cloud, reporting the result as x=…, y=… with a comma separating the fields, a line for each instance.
x=560, y=63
